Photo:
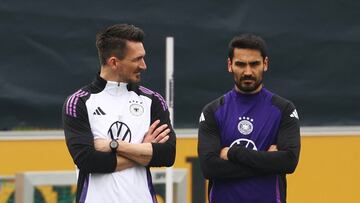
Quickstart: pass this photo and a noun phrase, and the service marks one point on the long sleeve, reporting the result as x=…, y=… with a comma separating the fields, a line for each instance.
x=163, y=153
x=80, y=141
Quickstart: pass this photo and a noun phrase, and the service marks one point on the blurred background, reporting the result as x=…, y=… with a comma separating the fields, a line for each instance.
x=48, y=52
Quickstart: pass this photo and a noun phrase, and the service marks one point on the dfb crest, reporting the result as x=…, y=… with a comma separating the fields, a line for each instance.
x=245, y=125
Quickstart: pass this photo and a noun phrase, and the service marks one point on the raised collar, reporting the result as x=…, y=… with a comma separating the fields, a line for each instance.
x=112, y=87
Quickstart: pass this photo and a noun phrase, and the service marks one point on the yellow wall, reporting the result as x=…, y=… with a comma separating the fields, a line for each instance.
x=27, y=155
x=328, y=171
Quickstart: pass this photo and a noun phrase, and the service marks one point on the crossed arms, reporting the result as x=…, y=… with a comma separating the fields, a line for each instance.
x=157, y=148
x=129, y=155
x=218, y=162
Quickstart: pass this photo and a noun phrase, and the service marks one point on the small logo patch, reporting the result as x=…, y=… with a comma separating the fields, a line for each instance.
x=202, y=117
x=245, y=125
x=294, y=114
x=120, y=131
x=99, y=111
x=136, y=108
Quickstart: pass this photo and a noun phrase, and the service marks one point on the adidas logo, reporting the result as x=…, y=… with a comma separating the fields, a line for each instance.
x=294, y=114
x=99, y=111
x=202, y=117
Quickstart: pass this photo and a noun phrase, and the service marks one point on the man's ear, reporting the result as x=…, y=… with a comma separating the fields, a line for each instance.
x=112, y=62
x=229, y=65
x=266, y=63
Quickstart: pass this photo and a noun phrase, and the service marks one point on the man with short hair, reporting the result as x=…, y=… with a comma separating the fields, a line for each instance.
x=249, y=138
x=115, y=129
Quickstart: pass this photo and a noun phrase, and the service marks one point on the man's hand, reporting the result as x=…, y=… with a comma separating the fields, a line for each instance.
x=273, y=148
x=154, y=135
x=224, y=152
x=157, y=134
x=136, y=153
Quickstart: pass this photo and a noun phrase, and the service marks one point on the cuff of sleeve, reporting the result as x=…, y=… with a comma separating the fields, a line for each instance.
x=114, y=162
x=231, y=153
x=162, y=155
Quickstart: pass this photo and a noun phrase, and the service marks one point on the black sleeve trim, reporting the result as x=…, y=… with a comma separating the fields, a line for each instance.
x=163, y=153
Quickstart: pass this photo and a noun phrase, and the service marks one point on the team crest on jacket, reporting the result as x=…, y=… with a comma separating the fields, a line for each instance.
x=245, y=125
x=136, y=108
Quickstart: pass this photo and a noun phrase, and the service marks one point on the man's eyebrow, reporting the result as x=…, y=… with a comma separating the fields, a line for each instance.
x=246, y=62
x=254, y=62
x=240, y=62
x=139, y=57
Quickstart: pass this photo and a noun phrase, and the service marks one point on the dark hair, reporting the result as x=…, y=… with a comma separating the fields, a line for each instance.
x=247, y=41
x=112, y=40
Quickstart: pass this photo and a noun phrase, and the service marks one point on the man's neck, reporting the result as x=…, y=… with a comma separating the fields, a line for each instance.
x=107, y=74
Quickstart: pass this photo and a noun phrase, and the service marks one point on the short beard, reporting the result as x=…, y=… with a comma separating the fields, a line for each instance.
x=249, y=89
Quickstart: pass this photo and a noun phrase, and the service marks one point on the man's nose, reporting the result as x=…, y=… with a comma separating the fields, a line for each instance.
x=248, y=70
x=142, y=64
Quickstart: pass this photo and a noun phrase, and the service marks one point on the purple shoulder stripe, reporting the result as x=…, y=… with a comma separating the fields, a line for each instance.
x=84, y=190
x=277, y=190
x=151, y=186
x=161, y=99
x=72, y=102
